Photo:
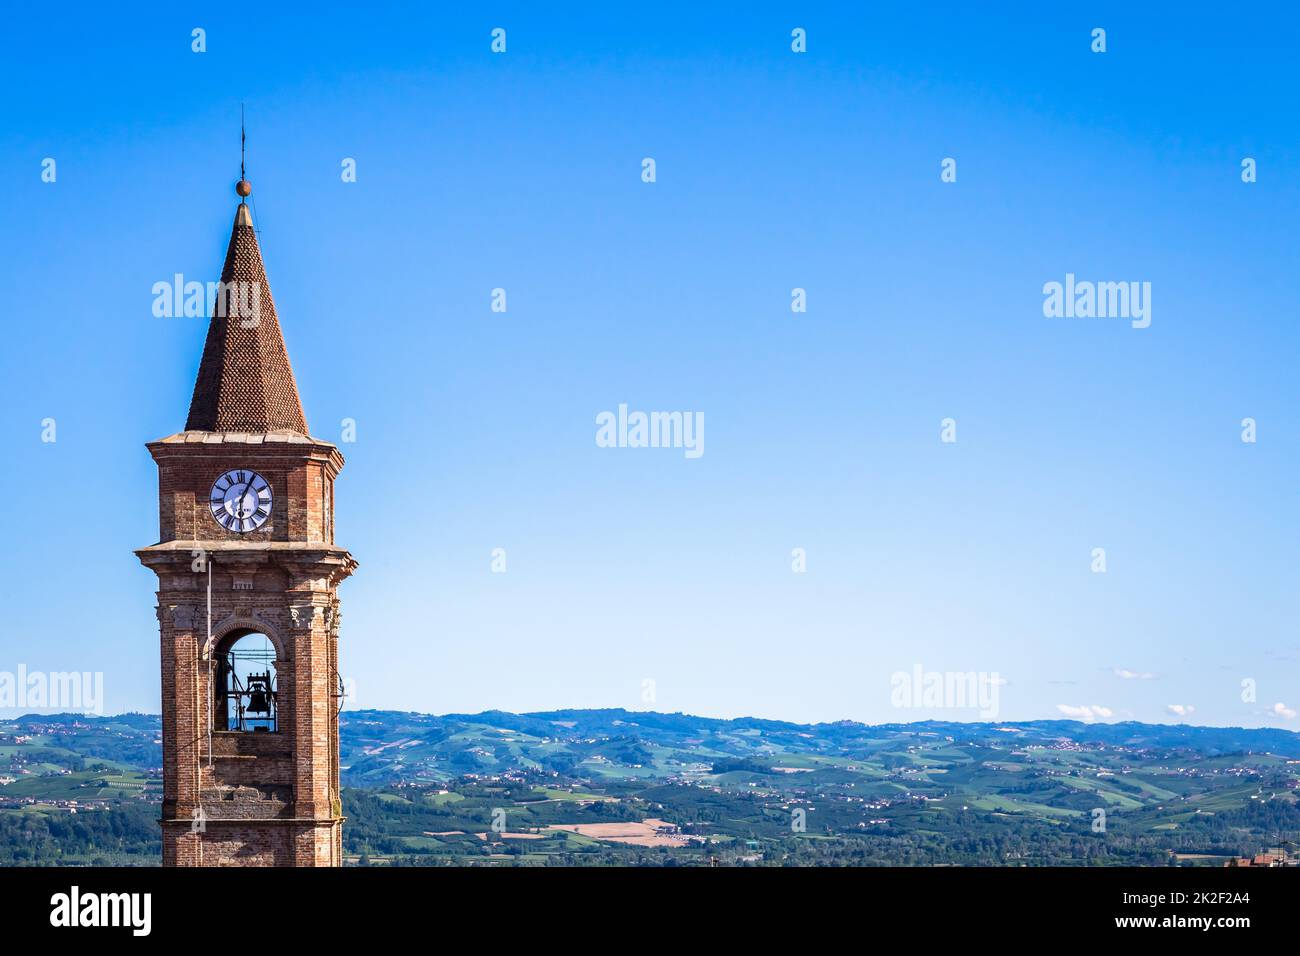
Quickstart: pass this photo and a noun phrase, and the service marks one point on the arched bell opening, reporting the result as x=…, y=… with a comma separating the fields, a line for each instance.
x=245, y=694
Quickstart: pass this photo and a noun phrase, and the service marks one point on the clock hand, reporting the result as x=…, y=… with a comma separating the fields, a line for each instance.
x=236, y=503
x=248, y=493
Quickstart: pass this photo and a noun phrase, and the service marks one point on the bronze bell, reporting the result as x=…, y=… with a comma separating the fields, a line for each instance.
x=259, y=692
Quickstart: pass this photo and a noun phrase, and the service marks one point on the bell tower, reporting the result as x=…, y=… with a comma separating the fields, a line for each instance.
x=246, y=558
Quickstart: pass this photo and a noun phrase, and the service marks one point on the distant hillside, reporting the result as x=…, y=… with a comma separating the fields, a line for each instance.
x=594, y=787
x=379, y=747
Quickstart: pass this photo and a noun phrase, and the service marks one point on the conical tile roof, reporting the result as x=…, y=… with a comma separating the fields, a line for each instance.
x=245, y=382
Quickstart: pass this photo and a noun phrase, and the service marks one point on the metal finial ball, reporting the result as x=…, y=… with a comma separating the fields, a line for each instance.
x=243, y=187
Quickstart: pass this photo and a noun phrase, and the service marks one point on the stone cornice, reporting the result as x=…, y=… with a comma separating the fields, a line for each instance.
x=299, y=558
x=249, y=445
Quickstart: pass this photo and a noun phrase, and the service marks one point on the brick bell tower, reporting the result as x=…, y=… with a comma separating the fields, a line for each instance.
x=246, y=554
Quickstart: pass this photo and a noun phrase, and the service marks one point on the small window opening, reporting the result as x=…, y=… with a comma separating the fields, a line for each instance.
x=245, y=686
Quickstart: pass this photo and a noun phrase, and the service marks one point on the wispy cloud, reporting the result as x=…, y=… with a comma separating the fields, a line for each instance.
x=1180, y=710
x=1085, y=712
x=1282, y=710
x=1123, y=673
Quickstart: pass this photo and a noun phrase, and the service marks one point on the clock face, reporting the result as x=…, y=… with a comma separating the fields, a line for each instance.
x=240, y=500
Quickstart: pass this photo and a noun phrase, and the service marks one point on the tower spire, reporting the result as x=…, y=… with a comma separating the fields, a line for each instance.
x=243, y=187
x=245, y=382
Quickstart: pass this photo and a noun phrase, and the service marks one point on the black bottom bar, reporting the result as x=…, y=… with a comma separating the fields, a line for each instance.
x=943, y=905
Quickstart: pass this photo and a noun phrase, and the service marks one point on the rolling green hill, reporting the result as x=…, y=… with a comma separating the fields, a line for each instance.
x=577, y=787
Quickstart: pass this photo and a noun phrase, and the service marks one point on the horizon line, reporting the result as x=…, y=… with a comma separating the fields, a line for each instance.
x=678, y=713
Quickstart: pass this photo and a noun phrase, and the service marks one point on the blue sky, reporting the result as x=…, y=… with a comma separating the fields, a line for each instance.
x=775, y=170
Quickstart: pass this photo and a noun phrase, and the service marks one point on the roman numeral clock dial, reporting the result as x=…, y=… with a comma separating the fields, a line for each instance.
x=240, y=501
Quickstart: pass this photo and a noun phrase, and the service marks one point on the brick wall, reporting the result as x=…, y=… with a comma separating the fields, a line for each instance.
x=265, y=799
